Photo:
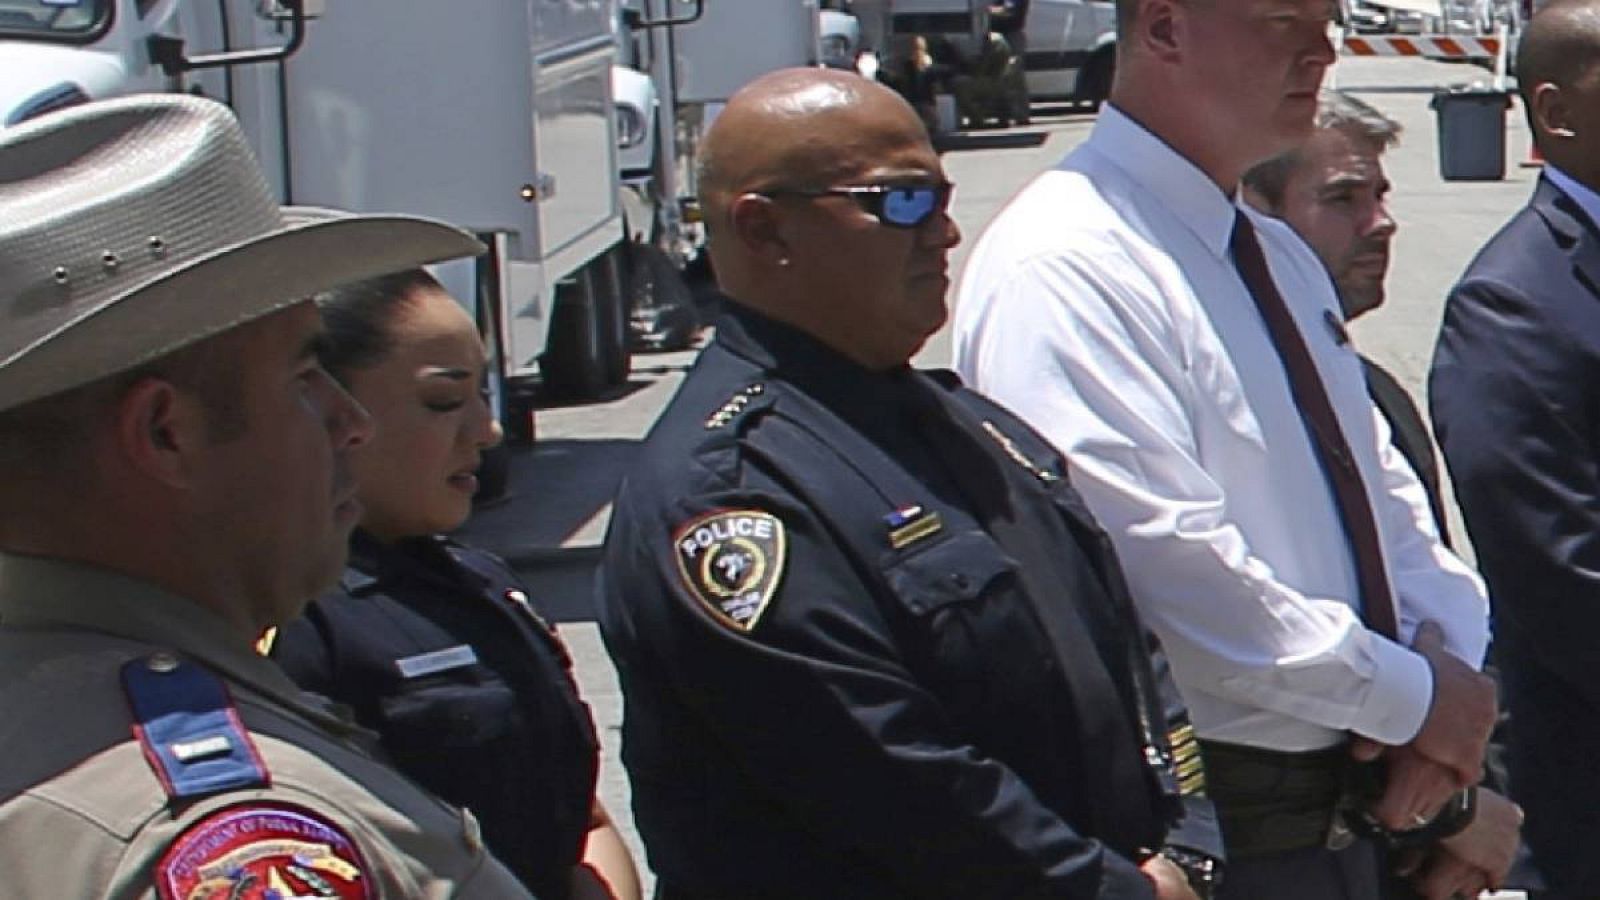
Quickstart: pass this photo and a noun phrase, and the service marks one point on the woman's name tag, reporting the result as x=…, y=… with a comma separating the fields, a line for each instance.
x=422, y=664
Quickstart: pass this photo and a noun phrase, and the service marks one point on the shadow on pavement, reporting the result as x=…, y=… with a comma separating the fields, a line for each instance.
x=547, y=526
x=544, y=399
x=659, y=369
x=1423, y=89
x=1065, y=110
x=970, y=140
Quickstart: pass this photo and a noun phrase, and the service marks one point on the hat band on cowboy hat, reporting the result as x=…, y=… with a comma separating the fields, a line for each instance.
x=131, y=228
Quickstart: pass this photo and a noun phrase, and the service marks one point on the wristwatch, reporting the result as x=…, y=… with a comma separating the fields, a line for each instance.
x=1203, y=872
x=1456, y=815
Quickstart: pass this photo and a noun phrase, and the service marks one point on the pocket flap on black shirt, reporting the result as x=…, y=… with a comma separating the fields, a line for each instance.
x=439, y=713
x=955, y=570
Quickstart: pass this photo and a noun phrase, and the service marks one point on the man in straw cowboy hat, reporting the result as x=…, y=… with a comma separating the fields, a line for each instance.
x=175, y=483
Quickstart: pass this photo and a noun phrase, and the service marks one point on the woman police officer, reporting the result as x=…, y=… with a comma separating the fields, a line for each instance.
x=434, y=645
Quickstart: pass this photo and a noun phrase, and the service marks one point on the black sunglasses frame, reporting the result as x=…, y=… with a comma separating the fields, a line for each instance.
x=873, y=197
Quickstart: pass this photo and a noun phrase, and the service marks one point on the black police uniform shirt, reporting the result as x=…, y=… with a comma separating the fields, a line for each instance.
x=435, y=647
x=838, y=683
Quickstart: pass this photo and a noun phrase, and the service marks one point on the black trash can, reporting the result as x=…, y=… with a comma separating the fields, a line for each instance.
x=1472, y=132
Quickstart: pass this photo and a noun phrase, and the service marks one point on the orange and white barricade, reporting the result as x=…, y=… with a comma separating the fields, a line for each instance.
x=1429, y=46
x=1493, y=47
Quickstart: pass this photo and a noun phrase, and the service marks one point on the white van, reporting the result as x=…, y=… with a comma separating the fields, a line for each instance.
x=1069, y=47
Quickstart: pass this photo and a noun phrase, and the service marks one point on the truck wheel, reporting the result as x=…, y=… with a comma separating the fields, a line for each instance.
x=518, y=421
x=662, y=310
x=1018, y=110
x=586, y=351
x=701, y=279
x=494, y=476
x=610, y=282
x=1019, y=105
x=1094, y=85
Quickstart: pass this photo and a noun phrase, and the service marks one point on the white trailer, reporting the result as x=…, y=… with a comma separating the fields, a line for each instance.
x=517, y=119
x=493, y=115
x=697, y=54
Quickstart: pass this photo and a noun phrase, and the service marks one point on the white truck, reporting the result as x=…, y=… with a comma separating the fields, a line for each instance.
x=697, y=53
x=1071, y=49
x=495, y=115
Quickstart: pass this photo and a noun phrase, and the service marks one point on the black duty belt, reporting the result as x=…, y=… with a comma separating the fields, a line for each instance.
x=1270, y=801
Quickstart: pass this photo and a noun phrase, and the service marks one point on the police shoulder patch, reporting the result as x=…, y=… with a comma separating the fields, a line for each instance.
x=257, y=851
x=731, y=560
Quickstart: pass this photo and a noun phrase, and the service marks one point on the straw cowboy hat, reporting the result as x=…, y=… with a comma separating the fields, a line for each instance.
x=131, y=228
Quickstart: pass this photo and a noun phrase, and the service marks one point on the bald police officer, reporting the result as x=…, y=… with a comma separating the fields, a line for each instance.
x=871, y=644
x=175, y=483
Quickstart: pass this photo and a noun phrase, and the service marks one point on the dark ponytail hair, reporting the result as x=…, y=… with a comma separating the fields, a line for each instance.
x=357, y=319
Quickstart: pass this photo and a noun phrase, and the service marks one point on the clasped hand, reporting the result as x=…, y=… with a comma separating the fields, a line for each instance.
x=1447, y=753
x=1445, y=756
x=1473, y=861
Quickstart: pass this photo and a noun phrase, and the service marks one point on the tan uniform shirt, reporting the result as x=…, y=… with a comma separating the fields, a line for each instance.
x=82, y=814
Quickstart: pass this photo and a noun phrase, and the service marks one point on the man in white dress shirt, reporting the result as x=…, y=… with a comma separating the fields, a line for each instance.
x=1105, y=305
x=1333, y=191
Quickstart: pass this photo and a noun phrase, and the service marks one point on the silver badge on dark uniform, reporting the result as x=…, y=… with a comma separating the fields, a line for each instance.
x=732, y=560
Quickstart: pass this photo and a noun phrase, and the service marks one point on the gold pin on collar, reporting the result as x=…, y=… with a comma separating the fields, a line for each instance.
x=1011, y=449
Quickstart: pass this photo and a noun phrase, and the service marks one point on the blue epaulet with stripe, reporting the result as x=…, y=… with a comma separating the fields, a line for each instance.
x=189, y=729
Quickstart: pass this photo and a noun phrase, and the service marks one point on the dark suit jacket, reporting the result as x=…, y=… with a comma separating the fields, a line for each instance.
x=1409, y=434
x=1515, y=393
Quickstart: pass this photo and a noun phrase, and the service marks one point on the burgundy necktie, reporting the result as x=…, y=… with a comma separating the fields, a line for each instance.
x=1316, y=410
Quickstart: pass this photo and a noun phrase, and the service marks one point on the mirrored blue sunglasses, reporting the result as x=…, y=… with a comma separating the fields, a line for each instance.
x=895, y=205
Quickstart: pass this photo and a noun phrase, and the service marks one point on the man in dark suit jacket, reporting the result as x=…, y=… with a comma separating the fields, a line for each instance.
x=1515, y=391
x=1332, y=190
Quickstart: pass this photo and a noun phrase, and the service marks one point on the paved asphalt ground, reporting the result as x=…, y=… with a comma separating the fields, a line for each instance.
x=553, y=523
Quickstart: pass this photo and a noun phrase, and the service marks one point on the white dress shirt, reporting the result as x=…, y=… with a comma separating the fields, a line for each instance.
x=1103, y=306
